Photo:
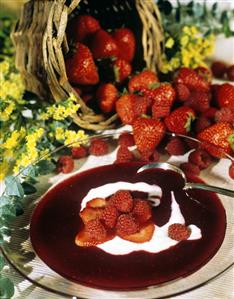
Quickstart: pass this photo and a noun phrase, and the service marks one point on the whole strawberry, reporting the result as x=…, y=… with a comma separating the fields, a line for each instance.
x=147, y=133
x=199, y=101
x=225, y=96
x=107, y=95
x=142, y=80
x=131, y=106
x=126, y=42
x=122, y=69
x=81, y=68
x=191, y=79
x=204, y=73
x=218, y=69
x=82, y=27
x=180, y=119
x=218, y=139
x=163, y=98
x=103, y=45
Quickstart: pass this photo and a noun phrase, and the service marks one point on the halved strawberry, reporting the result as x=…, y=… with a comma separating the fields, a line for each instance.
x=143, y=235
x=217, y=139
x=145, y=79
x=81, y=68
x=96, y=202
x=147, y=133
x=103, y=45
x=180, y=119
x=89, y=213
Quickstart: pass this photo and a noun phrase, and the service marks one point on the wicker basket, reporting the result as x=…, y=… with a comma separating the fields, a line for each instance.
x=40, y=41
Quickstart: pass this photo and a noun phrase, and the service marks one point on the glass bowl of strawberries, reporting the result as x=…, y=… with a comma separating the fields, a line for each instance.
x=96, y=227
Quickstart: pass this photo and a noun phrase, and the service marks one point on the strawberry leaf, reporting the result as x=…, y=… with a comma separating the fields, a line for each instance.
x=231, y=141
x=189, y=121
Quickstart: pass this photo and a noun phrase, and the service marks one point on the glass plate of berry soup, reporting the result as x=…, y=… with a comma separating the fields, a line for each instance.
x=94, y=233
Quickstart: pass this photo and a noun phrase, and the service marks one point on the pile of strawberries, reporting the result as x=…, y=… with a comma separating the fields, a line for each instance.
x=99, y=62
x=119, y=215
x=123, y=216
x=100, y=69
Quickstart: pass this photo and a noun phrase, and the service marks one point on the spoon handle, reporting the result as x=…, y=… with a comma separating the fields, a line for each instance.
x=209, y=188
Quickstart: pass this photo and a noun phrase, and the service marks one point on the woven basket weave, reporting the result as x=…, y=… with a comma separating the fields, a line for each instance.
x=40, y=41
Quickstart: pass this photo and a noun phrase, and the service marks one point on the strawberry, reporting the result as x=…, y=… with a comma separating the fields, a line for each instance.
x=218, y=69
x=82, y=27
x=179, y=121
x=126, y=42
x=131, y=106
x=163, y=98
x=225, y=95
x=225, y=114
x=178, y=232
x=122, y=200
x=182, y=92
x=65, y=164
x=124, y=155
x=103, y=45
x=204, y=73
x=230, y=72
x=142, y=80
x=126, y=225
x=107, y=95
x=216, y=139
x=109, y=216
x=81, y=68
x=202, y=122
x=143, y=235
x=122, y=69
x=199, y=101
x=147, y=133
x=191, y=79
x=126, y=139
x=175, y=147
x=142, y=210
x=98, y=147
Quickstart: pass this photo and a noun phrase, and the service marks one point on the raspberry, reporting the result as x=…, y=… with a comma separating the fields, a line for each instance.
x=198, y=101
x=231, y=170
x=192, y=144
x=126, y=225
x=122, y=200
x=200, y=158
x=109, y=216
x=95, y=230
x=182, y=92
x=201, y=123
x=225, y=114
x=149, y=156
x=218, y=69
x=124, y=155
x=98, y=147
x=230, y=72
x=142, y=210
x=126, y=139
x=175, y=147
x=79, y=152
x=160, y=111
x=65, y=164
x=190, y=168
x=178, y=232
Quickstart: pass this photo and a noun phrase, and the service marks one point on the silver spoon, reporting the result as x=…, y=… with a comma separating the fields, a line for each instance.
x=187, y=185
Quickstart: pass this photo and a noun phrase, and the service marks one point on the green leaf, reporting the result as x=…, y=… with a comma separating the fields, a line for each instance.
x=14, y=187
x=6, y=288
x=2, y=262
x=4, y=200
x=45, y=167
x=198, y=10
x=28, y=188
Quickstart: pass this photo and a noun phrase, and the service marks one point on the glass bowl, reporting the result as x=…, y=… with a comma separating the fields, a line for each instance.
x=21, y=255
